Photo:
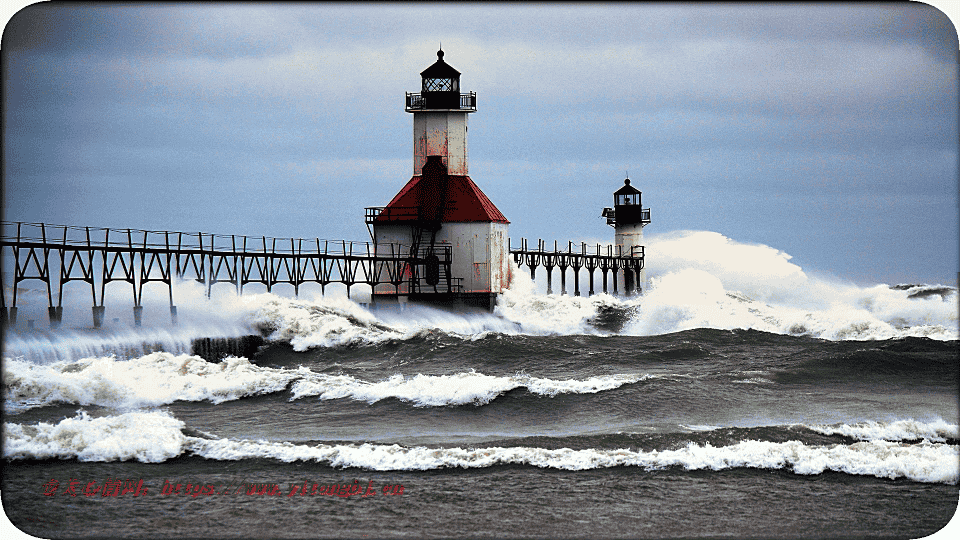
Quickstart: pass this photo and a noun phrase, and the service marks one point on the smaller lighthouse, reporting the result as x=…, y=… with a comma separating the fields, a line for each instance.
x=628, y=217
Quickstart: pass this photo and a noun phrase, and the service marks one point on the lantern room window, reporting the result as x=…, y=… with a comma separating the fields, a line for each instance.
x=440, y=77
x=441, y=85
x=627, y=195
x=628, y=198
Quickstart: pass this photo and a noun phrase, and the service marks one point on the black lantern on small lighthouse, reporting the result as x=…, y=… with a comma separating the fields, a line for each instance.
x=627, y=207
x=628, y=217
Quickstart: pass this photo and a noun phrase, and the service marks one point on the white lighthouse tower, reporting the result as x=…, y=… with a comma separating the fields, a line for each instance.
x=628, y=217
x=440, y=118
x=454, y=236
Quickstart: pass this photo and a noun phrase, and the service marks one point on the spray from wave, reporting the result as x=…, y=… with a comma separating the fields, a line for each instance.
x=698, y=279
x=703, y=279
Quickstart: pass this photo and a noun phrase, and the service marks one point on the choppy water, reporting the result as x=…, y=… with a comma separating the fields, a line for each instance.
x=726, y=401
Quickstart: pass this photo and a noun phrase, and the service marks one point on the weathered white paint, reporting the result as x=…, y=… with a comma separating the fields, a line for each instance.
x=480, y=253
x=388, y=239
x=440, y=133
x=626, y=237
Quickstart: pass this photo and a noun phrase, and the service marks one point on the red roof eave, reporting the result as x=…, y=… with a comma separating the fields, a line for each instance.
x=466, y=202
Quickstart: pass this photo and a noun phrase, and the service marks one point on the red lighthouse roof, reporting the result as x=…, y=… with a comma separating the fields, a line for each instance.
x=464, y=202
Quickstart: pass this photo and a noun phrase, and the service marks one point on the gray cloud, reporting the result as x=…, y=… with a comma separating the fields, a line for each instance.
x=249, y=118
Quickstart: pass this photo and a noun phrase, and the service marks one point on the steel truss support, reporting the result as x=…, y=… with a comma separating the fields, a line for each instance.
x=608, y=258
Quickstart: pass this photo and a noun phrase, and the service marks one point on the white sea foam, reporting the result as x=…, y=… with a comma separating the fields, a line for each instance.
x=151, y=380
x=156, y=436
x=682, y=297
x=702, y=279
x=456, y=389
x=542, y=314
x=323, y=322
x=898, y=430
x=338, y=321
x=162, y=378
x=129, y=342
x=926, y=462
x=150, y=437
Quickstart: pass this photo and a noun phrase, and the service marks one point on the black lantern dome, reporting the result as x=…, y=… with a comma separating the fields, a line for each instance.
x=440, y=77
x=627, y=195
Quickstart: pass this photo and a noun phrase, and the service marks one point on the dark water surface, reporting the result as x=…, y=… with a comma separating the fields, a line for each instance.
x=699, y=433
x=502, y=501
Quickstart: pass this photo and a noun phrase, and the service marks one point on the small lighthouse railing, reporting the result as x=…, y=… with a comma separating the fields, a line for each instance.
x=415, y=102
x=611, y=215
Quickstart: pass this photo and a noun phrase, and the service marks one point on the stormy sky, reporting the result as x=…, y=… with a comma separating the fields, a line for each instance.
x=826, y=131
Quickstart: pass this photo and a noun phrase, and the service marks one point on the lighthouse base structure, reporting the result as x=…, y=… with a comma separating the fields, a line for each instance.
x=449, y=219
x=479, y=267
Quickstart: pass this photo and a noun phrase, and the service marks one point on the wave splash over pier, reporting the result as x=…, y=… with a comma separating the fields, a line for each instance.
x=699, y=280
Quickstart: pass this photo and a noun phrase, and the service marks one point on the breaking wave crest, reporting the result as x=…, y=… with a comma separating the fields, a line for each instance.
x=162, y=378
x=325, y=322
x=899, y=430
x=123, y=438
x=155, y=379
x=457, y=389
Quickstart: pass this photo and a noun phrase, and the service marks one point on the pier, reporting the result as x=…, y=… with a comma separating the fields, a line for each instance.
x=58, y=254
x=608, y=259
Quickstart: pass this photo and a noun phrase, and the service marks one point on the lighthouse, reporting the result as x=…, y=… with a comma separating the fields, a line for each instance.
x=454, y=238
x=628, y=217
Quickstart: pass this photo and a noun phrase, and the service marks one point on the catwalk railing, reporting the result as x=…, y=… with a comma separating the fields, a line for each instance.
x=416, y=101
x=59, y=254
x=608, y=258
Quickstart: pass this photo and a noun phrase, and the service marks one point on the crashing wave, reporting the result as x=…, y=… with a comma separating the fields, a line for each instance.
x=153, y=437
x=163, y=378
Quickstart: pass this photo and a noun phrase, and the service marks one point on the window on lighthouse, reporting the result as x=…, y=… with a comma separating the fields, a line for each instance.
x=441, y=85
x=632, y=198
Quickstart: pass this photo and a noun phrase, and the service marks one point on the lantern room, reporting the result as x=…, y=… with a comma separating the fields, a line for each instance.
x=440, y=77
x=627, y=206
x=627, y=195
x=440, y=90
